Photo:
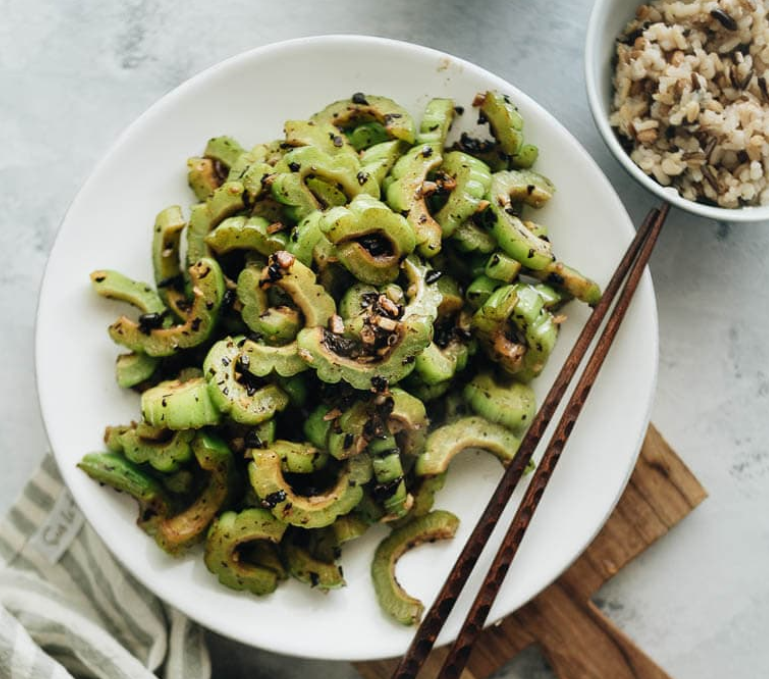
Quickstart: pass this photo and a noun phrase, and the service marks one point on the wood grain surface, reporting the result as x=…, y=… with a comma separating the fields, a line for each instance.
x=578, y=641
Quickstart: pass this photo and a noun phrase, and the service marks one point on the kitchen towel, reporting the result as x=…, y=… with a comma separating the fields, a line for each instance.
x=68, y=609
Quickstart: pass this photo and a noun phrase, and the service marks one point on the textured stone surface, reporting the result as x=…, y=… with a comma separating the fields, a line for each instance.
x=73, y=74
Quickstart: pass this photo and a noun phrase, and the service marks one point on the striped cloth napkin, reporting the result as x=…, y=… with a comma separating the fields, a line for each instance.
x=68, y=609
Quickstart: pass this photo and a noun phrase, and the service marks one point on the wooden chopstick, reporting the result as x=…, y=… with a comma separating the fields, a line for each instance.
x=633, y=263
x=460, y=651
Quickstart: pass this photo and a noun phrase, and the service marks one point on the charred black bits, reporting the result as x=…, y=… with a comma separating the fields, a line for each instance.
x=274, y=273
x=252, y=440
x=171, y=281
x=384, y=491
x=555, y=278
x=379, y=384
x=474, y=146
x=149, y=322
x=360, y=99
x=362, y=177
x=195, y=325
x=274, y=499
x=228, y=299
x=294, y=167
x=376, y=245
x=341, y=345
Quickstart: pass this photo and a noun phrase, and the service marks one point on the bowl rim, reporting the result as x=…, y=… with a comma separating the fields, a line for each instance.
x=154, y=108
x=601, y=118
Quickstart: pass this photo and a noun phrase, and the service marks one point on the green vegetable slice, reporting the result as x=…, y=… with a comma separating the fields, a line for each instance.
x=208, y=291
x=393, y=599
x=261, y=359
x=363, y=108
x=436, y=123
x=119, y=473
x=266, y=475
x=513, y=236
x=379, y=159
x=408, y=421
x=471, y=238
x=322, y=351
x=439, y=364
x=133, y=369
x=299, y=458
x=202, y=177
x=390, y=488
x=446, y=442
x=230, y=545
x=225, y=150
x=309, y=569
x=504, y=120
x=424, y=491
x=178, y=405
x=165, y=455
x=232, y=389
x=406, y=195
x=524, y=186
x=320, y=135
x=370, y=239
x=246, y=233
x=317, y=426
x=304, y=237
x=114, y=285
x=570, y=281
x=166, y=239
x=518, y=308
x=289, y=185
x=177, y=532
x=507, y=402
x=366, y=135
x=473, y=181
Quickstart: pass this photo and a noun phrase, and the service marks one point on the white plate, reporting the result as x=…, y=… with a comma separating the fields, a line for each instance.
x=109, y=226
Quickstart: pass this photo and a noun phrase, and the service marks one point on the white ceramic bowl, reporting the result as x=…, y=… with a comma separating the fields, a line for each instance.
x=109, y=226
x=607, y=21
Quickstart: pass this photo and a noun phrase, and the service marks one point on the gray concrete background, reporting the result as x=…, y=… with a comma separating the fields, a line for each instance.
x=73, y=74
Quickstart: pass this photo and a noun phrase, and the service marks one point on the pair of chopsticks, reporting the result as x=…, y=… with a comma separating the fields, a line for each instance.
x=630, y=269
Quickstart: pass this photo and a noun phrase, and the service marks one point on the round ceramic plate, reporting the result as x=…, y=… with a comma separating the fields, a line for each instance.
x=109, y=225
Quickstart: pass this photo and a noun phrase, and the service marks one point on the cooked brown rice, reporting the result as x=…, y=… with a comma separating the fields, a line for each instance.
x=691, y=99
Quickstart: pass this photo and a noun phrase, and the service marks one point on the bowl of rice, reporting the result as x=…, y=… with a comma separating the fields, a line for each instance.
x=679, y=91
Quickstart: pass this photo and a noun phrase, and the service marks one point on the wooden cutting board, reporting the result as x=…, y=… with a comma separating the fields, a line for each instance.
x=577, y=639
